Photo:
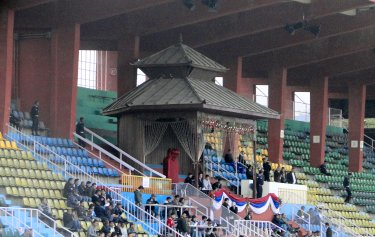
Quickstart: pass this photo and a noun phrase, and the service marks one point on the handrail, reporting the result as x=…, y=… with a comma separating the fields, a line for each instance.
x=221, y=176
x=262, y=225
x=122, y=153
x=71, y=170
x=101, y=150
x=30, y=213
x=308, y=221
x=188, y=190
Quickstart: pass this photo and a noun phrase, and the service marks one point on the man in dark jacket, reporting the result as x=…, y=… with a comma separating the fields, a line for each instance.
x=189, y=179
x=323, y=169
x=291, y=177
x=35, y=118
x=346, y=185
x=182, y=226
x=229, y=157
x=259, y=184
x=267, y=170
x=80, y=130
x=328, y=231
x=138, y=196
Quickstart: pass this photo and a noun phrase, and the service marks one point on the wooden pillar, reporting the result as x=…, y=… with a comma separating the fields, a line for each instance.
x=318, y=120
x=276, y=97
x=357, y=100
x=6, y=64
x=65, y=45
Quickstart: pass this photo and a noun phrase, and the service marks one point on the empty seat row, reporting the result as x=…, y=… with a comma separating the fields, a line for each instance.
x=24, y=164
x=32, y=192
x=76, y=160
x=36, y=183
x=16, y=154
x=26, y=173
x=94, y=170
x=10, y=145
x=63, y=151
x=50, y=141
x=53, y=203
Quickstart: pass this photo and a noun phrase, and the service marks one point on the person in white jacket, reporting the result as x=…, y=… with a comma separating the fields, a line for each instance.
x=207, y=187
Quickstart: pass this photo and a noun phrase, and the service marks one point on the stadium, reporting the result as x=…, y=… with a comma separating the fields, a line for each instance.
x=198, y=118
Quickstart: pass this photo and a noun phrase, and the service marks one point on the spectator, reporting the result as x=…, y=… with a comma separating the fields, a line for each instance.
x=106, y=229
x=92, y=230
x=207, y=188
x=329, y=230
x=99, y=211
x=102, y=197
x=259, y=184
x=119, y=211
x=170, y=221
x=213, y=233
x=68, y=188
x=266, y=170
x=193, y=228
x=76, y=184
x=71, y=221
x=95, y=198
x=82, y=189
x=277, y=175
x=151, y=209
x=182, y=226
x=124, y=231
x=14, y=121
x=249, y=172
x=217, y=184
x=200, y=181
x=302, y=216
x=241, y=157
x=226, y=202
x=131, y=230
x=282, y=175
x=90, y=189
x=323, y=169
x=73, y=200
x=45, y=208
x=291, y=177
x=248, y=216
x=28, y=233
x=228, y=157
x=189, y=179
x=234, y=208
x=346, y=185
x=138, y=196
x=35, y=118
x=209, y=228
x=80, y=130
x=202, y=223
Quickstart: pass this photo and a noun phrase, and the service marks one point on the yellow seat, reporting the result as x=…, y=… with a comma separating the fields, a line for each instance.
x=22, y=164
x=61, y=213
x=46, y=193
x=52, y=193
x=34, y=202
x=8, y=172
x=12, y=154
x=1, y=136
x=48, y=184
x=2, y=171
x=18, y=182
x=50, y=203
x=21, y=192
x=84, y=225
x=15, y=192
x=57, y=204
x=11, y=181
x=42, y=184
x=2, y=144
x=82, y=234
x=6, y=154
x=18, y=154
x=59, y=224
x=26, y=173
x=63, y=204
x=13, y=144
x=58, y=195
x=8, y=145
x=38, y=174
x=26, y=202
x=34, y=166
x=35, y=183
x=28, y=192
x=34, y=192
x=20, y=173
x=3, y=162
x=8, y=191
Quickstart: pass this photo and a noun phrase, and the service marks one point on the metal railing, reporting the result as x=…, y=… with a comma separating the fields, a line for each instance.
x=266, y=228
x=34, y=219
x=122, y=154
x=69, y=170
x=165, y=210
x=301, y=220
x=225, y=217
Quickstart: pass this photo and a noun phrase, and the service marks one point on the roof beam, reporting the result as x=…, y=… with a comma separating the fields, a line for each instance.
x=365, y=77
x=269, y=41
x=23, y=4
x=318, y=50
x=252, y=22
x=334, y=67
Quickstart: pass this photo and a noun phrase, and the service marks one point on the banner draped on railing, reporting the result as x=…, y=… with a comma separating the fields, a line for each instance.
x=258, y=206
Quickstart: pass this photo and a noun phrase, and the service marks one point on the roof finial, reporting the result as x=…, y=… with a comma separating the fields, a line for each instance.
x=180, y=40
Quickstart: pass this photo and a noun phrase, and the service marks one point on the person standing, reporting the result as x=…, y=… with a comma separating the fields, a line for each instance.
x=291, y=177
x=277, y=175
x=259, y=184
x=241, y=157
x=346, y=185
x=80, y=130
x=138, y=196
x=267, y=170
x=35, y=118
x=207, y=187
x=329, y=230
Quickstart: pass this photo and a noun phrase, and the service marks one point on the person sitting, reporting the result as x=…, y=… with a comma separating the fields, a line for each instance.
x=119, y=211
x=68, y=188
x=229, y=157
x=226, y=202
x=71, y=221
x=14, y=121
x=323, y=169
x=45, y=208
x=217, y=184
x=92, y=230
x=73, y=200
x=302, y=216
x=189, y=179
x=99, y=211
x=207, y=187
x=248, y=216
x=106, y=229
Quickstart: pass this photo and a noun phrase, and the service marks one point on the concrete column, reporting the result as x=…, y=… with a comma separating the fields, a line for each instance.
x=6, y=64
x=128, y=53
x=357, y=100
x=277, y=93
x=318, y=120
x=65, y=45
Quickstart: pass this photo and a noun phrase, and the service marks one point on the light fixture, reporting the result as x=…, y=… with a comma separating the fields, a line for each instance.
x=189, y=4
x=305, y=25
x=211, y=4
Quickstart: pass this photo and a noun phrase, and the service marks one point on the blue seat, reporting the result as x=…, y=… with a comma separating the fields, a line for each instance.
x=59, y=151
x=100, y=163
x=84, y=161
x=101, y=171
x=49, y=141
x=79, y=152
x=74, y=160
x=108, y=171
x=95, y=163
x=60, y=142
x=83, y=168
x=88, y=169
x=74, y=151
x=115, y=173
x=95, y=170
x=89, y=162
x=79, y=161
x=65, y=142
x=64, y=150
